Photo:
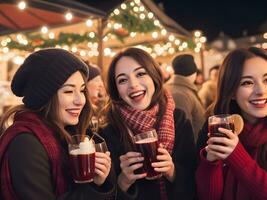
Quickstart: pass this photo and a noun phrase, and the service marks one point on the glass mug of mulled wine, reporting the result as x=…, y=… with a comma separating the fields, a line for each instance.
x=147, y=144
x=224, y=121
x=82, y=158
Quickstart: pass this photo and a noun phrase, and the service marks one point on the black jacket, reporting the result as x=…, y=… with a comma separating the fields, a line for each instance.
x=184, y=158
x=31, y=174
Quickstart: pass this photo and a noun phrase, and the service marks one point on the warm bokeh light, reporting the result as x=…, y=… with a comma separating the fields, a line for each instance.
x=22, y=5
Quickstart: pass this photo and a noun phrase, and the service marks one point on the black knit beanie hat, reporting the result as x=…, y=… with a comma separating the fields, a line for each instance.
x=184, y=65
x=94, y=72
x=43, y=73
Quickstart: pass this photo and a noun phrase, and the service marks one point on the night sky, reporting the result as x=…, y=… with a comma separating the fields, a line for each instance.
x=234, y=19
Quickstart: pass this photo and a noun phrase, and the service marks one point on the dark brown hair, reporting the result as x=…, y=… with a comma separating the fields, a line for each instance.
x=230, y=74
x=152, y=69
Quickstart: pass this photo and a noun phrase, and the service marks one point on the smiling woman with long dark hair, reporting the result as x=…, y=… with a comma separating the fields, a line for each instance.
x=139, y=103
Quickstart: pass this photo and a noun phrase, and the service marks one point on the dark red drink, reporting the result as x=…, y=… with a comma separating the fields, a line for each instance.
x=82, y=166
x=149, y=149
x=213, y=129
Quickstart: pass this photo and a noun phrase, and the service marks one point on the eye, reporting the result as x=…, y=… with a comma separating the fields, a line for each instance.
x=246, y=83
x=265, y=81
x=122, y=80
x=140, y=74
x=68, y=92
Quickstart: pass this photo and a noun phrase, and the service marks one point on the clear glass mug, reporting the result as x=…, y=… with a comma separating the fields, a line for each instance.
x=224, y=121
x=82, y=158
x=147, y=144
x=100, y=143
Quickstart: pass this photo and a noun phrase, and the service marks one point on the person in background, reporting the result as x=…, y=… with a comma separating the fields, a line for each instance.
x=97, y=96
x=166, y=73
x=235, y=167
x=139, y=103
x=34, y=158
x=208, y=90
x=95, y=85
x=199, y=79
x=182, y=87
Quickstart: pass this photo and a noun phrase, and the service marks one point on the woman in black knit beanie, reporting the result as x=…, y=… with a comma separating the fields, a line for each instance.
x=34, y=160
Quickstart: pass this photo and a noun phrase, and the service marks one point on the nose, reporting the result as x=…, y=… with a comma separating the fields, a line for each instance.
x=133, y=81
x=79, y=98
x=261, y=89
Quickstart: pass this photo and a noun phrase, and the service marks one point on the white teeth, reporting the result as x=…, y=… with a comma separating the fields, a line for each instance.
x=137, y=94
x=258, y=101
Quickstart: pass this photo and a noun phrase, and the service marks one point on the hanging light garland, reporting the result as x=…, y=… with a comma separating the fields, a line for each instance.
x=125, y=21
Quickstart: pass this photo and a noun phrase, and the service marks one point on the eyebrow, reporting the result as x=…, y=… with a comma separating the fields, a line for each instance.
x=252, y=77
x=71, y=85
x=123, y=74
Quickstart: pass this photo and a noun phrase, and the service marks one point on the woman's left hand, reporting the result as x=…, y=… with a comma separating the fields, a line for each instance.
x=102, y=167
x=165, y=164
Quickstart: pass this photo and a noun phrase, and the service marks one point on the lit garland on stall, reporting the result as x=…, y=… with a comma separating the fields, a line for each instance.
x=128, y=20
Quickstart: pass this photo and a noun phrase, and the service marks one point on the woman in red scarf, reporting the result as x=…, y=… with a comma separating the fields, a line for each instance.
x=34, y=160
x=234, y=167
x=139, y=103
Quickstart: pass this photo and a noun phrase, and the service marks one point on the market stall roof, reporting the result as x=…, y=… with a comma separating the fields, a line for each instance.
x=107, y=6
x=40, y=13
x=51, y=13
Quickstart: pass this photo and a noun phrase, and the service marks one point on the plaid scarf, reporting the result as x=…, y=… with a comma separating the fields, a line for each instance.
x=141, y=121
x=31, y=123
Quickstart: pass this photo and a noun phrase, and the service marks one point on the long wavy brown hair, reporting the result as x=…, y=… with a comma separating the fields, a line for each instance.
x=112, y=109
x=230, y=75
x=50, y=114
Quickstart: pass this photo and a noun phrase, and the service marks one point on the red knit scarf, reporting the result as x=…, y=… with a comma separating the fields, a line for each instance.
x=252, y=137
x=139, y=121
x=31, y=123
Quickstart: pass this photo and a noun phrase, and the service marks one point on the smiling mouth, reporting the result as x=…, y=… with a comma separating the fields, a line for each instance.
x=137, y=95
x=259, y=102
x=73, y=112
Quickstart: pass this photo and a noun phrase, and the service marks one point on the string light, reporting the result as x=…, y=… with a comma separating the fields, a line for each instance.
x=74, y=49
x=203, y=39
x=150, y=15
x=133, y=34
x=22, y=5
x=197, y=34
x=142, y=8
x=82, y=53
x=155, y=35
x=171, y=37
x=89, y=23
x=123, y=6
x=142, y=16
x=68, y=16
x=177, y=42
x=51, y=35
x=91, y=34
x=116, y=11
x=184, y=45
x=44, y=29
x=5, y=49
x=163, y=32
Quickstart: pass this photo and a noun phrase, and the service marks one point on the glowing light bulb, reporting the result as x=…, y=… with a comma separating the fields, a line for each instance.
x=22, y=5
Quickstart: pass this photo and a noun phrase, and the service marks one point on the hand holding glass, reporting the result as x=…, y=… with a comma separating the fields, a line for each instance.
x=147, y=144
